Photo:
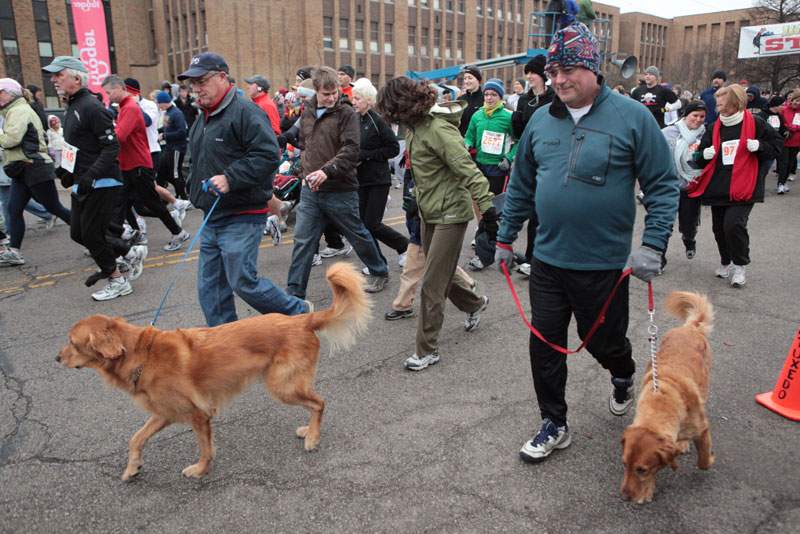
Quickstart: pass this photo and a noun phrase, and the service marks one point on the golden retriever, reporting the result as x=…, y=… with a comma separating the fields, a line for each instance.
x=187, y=376
x=666, y=420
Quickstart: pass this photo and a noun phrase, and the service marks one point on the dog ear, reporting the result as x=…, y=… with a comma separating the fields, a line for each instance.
x=107, y=344
x=667, y=453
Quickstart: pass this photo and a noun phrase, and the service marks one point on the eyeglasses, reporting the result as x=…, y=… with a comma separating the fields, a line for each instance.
x=202, y=81
x=554, y=72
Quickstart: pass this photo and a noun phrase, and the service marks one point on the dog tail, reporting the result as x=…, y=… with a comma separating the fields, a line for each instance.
x=693, y=309
x=351, y=307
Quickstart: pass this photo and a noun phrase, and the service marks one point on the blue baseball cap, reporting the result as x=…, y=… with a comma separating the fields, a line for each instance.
x=65, y=62
x=202, y=64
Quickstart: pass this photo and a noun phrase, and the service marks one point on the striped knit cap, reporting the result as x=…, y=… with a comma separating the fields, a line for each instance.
x=574, y=46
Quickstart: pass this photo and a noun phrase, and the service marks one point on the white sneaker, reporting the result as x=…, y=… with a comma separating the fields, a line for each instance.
x=548, y=439
x=176, y=241
x=791, y=177
x=137, y=263
x=176, y=217
x=388, y=200
x=365, y=271
x=786, y=188
x=737, y=278
x=781, y=189
x=525, y=268
x=316, y=260
x=272, y=229
x=329, y=252
x=181, y=206
x=11, y=257
x=418, y=363
x=116, y=287
x=401, y=259
x=127, y=231
x=142, y=223
x=475, y=264
x=724, y=271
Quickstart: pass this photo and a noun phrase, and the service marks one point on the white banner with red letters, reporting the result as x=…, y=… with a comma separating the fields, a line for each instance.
x=90, y=29
x=769, y=40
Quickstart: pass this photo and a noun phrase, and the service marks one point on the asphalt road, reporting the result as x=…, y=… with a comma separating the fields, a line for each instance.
x=434, y=451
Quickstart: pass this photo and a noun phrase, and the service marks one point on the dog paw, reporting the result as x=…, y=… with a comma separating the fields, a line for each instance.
x=131, y=471
x=302, y=431
x=311, y=443
x=684, y=446
x=704, y=465
x=195, y=471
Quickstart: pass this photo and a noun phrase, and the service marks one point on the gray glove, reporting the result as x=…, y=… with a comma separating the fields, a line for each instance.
x=504, y=254
x=646, y=263
x=504, y=164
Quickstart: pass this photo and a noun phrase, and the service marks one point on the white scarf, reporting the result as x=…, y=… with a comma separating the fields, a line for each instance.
x=681, y=154
x=732, y=120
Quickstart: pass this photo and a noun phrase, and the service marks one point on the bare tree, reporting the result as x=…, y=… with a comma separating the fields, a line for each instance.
x=777, y=71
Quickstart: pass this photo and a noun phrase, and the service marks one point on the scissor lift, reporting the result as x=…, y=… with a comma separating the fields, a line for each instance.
x=538, y=35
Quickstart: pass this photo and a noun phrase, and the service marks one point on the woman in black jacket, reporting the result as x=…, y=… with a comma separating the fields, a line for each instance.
x=735, y=154
x=378, y=145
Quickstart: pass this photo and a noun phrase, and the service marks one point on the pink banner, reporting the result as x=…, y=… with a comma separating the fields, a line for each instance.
x=90, y=29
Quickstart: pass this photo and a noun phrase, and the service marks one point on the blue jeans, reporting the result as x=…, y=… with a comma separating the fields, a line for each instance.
x=340, y=209
x=228, y=256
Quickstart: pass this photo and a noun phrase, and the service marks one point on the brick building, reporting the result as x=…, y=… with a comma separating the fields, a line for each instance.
x=153, y=40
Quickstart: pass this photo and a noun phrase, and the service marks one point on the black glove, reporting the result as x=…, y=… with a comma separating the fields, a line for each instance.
x=410, y=205
x=489, y=221
x=84, y=185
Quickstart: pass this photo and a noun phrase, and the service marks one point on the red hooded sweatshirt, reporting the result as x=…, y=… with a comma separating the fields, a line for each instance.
x=134, y=150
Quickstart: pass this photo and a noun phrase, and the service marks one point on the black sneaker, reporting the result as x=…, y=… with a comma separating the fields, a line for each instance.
x=394, y=315
x=622, y=396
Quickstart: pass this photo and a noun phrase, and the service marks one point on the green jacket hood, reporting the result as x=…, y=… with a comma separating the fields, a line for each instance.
x=449, y=111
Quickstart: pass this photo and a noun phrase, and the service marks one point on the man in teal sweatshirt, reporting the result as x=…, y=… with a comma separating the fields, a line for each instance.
x=579, y=160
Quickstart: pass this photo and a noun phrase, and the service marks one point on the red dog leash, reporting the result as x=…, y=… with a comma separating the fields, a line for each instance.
x=597, y=322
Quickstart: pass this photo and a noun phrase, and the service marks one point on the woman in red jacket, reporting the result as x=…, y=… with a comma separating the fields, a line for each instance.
x=787, y=163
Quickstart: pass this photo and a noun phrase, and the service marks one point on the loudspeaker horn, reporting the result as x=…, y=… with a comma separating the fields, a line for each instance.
x=627, y=67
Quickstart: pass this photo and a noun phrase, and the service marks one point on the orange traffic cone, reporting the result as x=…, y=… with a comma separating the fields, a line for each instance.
x=785, y=398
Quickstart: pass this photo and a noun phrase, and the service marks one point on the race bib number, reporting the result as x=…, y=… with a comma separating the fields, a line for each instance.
x=68, y=155
x=729, y=149
x=796, y=120
x=492, y=143
x=775, y=121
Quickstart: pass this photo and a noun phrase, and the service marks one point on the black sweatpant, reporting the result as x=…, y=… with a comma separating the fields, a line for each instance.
x=170, y=170
x=371, y=207
x=688, y=219
x=729, y=224
x=140, y=191
x=556, y=294
x=91, y=216
x=787, y=163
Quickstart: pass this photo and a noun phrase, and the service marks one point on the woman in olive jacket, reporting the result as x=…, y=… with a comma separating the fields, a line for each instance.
x=446, y=183
x=28, y=163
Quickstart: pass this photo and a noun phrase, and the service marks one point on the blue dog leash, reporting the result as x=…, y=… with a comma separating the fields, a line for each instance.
x=206, y=185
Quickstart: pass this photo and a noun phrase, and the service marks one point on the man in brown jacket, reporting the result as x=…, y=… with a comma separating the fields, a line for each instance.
x=330, y=142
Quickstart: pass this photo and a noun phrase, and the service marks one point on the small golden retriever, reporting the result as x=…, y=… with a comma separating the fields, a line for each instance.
x=666, y=420
x=187, y=376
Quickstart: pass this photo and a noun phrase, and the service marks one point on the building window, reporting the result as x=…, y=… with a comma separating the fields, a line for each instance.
x=8, y=29
x=436, y=4
x=460, y=49
x=344, y=34
x=388, y=39
x=449, y=5
x=412, y=39
x=359, y=36
x=437, y=38
x=489, y=7
x=448, y=44
x=479, y=47
x=327, y=32
x=41, y=20
x=373, y=36
x=423, y=46
x=412, y=3
x=460, y=6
